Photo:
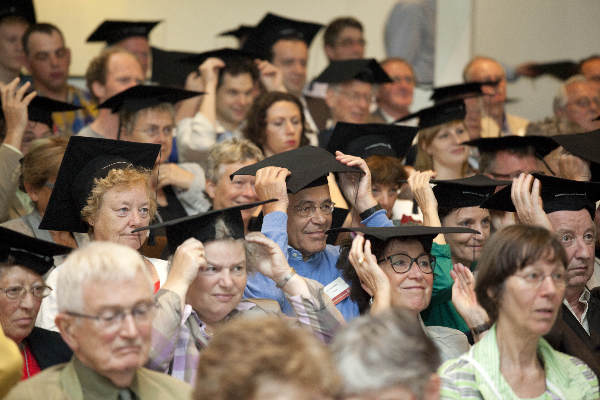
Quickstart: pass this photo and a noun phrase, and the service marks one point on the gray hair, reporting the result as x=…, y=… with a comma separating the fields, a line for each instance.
x=230, y=151
x=97, y=261
x=561, y=98
x=381, y=351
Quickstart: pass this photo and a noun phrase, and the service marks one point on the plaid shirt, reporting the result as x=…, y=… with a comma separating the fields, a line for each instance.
x=178, y=335
x=69, y=123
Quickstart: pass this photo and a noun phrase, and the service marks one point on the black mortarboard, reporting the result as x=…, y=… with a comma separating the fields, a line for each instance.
x=557, y=194
x=460, y=91
x=562, y=70
x=113, y=32
x=143, y=96
x=465, y=192
x=18, y=8
x=274, y=27
x=364, y=140
x=240, y=32
x=225, y=54
x=309, y=166
x=204, y=226
x=543, y=145
x=35, y=254
x=583, y=145
x=40, y=109
x=402, y=231
x=363, y=69
x=169, y=68
x=439, y=114
x=86, y=159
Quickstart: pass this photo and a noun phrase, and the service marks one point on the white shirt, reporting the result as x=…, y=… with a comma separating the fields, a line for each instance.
x=583, y=299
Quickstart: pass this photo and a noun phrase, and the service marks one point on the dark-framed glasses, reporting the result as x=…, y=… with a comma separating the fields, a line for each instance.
x=401, y=263
x=18, y=292
x=112, y=318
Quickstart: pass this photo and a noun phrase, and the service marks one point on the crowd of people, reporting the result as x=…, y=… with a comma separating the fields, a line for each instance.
x=217, y=225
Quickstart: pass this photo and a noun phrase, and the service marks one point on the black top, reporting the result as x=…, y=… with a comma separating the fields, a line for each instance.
x=363, y=69
x=112, y=31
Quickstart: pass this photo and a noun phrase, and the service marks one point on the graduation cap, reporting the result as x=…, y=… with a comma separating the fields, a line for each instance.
x=40, y=109
x=143, y=96
x=239, y=33
x=205, y=226
x=364, y=140
x=18, y=8
x=583, y=145
x=225, y=54
x=465, y=192
x=85, y=160
x=557, y=194
x=404, y=231
x=562, y=70
x=309, y=166
x=460, y=91
x=35, y=254
x=274, y=27
x=543, y=145
x=362, y=69
x=169, y=68
x=438, y=114
x=112, y=32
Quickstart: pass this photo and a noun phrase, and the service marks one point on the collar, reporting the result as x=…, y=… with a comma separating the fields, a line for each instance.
x=93, y=385
x=297, y=256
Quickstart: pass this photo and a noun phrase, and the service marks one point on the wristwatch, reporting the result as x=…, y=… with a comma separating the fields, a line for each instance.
x=369, y=211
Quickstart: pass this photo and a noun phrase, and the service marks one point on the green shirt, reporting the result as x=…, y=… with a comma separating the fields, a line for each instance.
x=441, y=311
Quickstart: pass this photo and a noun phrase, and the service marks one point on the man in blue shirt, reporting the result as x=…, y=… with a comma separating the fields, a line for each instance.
x=299, y=220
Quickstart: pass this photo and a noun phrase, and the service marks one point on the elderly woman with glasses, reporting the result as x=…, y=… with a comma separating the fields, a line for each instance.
x=23, y=262
x=393, y=267
x=521, y=283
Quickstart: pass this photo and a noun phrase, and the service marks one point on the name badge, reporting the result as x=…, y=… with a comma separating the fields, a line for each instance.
x=337, y=290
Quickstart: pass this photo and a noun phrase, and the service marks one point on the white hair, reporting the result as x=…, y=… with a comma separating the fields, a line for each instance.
x=562, y=98
x=97, y=261
x=378, y=352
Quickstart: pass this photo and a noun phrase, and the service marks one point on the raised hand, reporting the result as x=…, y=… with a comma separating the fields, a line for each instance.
x=355, y=186
x=270, y=76
x=270, y=184
x=189, y=258
x=14, y=106
x=423, y=194
x=525, y=194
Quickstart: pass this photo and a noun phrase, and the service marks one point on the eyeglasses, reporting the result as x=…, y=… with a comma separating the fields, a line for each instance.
x=308, y=210
x=18, y=292
x=535, y=278
x=355, y=97
x=111, y=319
x=401, y=263
x=585, y=102
x=351, y=42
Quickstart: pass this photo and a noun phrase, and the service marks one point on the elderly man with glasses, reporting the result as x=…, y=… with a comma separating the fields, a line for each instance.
x=105, y=316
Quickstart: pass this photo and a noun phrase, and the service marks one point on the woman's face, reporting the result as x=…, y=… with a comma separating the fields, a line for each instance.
x=412, y=289
x=531, y=298
x=466, y=247
x=41, y=196
x=445, y=148
x=218, y=287
x=123, y=209
x=284, y=128
x=386, y=196
x=17, y=316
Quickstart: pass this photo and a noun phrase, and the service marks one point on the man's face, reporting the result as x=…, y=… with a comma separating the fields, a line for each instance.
x=229, y=193
x=591, y=70
x=291, y=56
x=48, y=60
x=122, y=72
x=507, y=165
x=139, y=46
x=488, y=70
x=156, y=127
x=583, y=105
x=307, y=234
x=34, y=130
x=350, y=101
x=398, y=95
x=234, y=98
x=112, y=349
x=349, y=44
x=577, y=234
x=12, y=56
x=218, y=287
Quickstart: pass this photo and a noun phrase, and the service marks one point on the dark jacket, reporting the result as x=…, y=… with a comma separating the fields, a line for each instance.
x=568, y=336
x=47, y=347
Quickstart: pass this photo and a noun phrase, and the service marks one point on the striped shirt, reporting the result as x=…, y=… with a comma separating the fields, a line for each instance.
x=476, y=374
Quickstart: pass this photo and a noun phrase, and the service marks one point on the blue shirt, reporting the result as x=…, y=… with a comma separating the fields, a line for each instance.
x=320, y=266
